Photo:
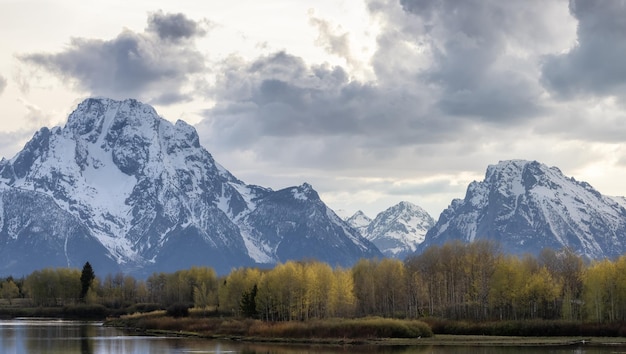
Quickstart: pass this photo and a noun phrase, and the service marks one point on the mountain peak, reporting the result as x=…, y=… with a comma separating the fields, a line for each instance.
x=408, y=206
x=304, y=192
x=396, y=231
x=526, y=206
x=145, y=195
x=98, y=113
x=359, y=221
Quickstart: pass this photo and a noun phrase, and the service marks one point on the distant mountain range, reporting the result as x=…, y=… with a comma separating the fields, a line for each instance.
x=526, y=206
x=126, y=190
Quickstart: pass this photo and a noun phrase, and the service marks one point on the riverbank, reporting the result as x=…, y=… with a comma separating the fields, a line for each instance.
x=73, y=312
x=494, y=341
x=334, y=330
x=370, y=331
x=436, y=340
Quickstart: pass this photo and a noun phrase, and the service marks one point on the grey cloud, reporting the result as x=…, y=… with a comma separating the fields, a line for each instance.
x=579, y=120
x=281, y=96
x=445, y=71
x=457, y=88
x=463, y=46
x=495, y=101
x=595, y=65
x=35, y=117
x=3, y=84
x=440, y=75
x=168, y=98
x=174, y=26
x=422, y=187
x=139, y=65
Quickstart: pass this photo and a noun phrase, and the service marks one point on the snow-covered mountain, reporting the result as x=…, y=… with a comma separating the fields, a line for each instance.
x=396, y=231
x=526, y=206
x=140, y=194
x=359, y=221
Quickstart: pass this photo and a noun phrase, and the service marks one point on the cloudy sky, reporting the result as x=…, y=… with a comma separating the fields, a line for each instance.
x=372, y=102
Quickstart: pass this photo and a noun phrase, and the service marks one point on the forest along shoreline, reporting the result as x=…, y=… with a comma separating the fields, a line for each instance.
x=454, y=289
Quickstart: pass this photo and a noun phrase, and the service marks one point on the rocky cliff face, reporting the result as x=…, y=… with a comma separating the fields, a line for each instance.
x=526, y=206
x=145, y=196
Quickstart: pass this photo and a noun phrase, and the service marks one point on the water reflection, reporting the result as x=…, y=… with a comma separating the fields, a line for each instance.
x=68, y=337
x=45, y=336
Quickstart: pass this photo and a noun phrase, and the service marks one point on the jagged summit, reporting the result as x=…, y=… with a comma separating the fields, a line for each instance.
x=526, y=206
x=148, y=193
x=360, y=221
x=396, y=231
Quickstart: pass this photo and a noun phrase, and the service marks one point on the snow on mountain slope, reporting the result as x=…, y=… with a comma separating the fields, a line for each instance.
x=359, y=221
x=620, y=200
x=148, y=192
x=36, y=234
x=526, y=206
x=293, y=223
x=398, y=230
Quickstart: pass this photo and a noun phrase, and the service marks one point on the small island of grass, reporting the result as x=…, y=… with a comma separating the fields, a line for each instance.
x=333, y=330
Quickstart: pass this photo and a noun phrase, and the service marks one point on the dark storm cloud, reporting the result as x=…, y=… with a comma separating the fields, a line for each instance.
x=145, y=65
x=468, y=42
x=444, y=71
x=3, y=84
x=595, y=65
x=281, y=96
x=174, y=26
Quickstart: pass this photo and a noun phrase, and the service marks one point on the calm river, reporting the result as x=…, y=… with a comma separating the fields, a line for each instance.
x=68, y=337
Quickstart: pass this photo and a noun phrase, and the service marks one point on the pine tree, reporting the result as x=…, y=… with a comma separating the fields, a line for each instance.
x=248, y=302
x=86, y=278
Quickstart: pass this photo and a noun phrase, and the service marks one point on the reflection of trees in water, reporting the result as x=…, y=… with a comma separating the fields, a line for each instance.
x=60, y=338
x=87, y=332
x=7, y=333
x=46, y=338
x=85, y=338
x=366, y=349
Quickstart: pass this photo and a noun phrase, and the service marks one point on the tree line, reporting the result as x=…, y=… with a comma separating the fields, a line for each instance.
x=455, y=281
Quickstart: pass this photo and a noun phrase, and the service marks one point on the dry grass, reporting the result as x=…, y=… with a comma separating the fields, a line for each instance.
x=365, y=328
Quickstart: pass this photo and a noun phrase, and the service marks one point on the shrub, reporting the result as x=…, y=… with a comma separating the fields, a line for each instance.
x=84, y=311
x=178, y=310
x=144, y=307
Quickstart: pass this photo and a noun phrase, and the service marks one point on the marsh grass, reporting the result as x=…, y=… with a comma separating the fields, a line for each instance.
x=367, y=328
x=527, y=328
x=373, y=327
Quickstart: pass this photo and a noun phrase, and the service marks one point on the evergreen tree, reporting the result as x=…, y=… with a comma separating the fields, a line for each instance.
x=86, y=279
x=248, y=302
